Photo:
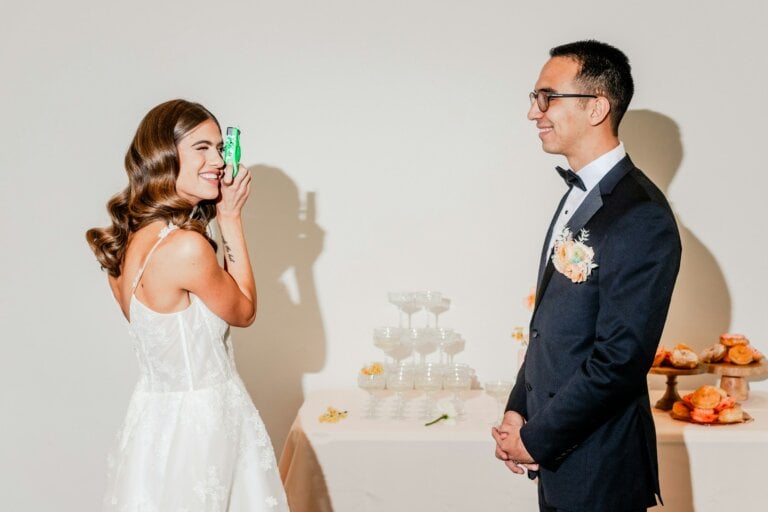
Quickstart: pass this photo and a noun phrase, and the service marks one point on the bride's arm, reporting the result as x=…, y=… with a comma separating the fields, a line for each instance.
x=236, y=260
x=230, y=292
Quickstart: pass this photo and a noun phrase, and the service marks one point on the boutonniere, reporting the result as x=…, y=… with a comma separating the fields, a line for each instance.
x=573, y=257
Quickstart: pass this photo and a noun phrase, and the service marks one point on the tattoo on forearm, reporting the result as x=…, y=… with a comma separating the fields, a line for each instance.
x=228, y=250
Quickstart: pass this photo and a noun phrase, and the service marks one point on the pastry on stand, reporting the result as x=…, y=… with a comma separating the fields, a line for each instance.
x=734, y=359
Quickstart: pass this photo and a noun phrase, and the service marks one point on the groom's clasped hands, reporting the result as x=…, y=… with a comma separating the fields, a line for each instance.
x=509, y=446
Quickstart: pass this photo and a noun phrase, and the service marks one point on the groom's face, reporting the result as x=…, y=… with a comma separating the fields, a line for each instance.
x=563, y=126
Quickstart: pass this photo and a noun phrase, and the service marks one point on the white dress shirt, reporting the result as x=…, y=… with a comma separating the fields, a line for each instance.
x=590, y=174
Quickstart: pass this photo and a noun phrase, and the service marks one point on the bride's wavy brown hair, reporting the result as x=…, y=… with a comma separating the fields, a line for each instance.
x=152, y=164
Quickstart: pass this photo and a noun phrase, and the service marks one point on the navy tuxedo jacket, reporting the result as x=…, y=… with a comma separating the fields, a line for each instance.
x=582, y=387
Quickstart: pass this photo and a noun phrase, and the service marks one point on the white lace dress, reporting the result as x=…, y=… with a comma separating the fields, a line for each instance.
x=192, y=440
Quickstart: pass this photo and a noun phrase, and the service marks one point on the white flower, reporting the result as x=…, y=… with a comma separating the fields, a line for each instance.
x=447, y=413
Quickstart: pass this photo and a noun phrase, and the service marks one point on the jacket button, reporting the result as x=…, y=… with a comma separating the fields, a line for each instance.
x=528, y=386
x=535, y=333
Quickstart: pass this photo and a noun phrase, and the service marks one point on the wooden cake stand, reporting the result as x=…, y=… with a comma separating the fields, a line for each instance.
x=733, y=377
x=671, y=396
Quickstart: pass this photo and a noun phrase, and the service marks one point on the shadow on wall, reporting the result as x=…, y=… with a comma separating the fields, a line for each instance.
x=287, y=339
x=701, y=303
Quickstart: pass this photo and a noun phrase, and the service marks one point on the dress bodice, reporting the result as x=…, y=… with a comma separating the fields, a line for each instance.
x=182, y=351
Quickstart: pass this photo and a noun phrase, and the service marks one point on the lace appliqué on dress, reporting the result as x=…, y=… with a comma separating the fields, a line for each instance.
x=211, y=491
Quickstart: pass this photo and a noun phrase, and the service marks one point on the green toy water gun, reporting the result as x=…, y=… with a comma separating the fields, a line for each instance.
x=232, y=149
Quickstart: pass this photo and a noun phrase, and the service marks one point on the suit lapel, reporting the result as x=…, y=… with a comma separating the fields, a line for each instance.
x=544, y=281
x=594, y=200
x=591, y=204
x=544, y=252
x=588, y=208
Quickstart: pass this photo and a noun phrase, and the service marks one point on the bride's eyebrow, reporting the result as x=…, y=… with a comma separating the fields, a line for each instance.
x=201, y=142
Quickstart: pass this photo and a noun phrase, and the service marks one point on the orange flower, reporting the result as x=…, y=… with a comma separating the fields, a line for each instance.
x=573, y=258
x=332, y=415
x=530, y=300
x=373, y=369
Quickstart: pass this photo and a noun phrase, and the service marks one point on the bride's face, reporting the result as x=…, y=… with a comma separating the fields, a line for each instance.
x=200, y=164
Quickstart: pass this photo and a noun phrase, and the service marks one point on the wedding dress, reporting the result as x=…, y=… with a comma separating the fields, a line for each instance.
x=192, y=440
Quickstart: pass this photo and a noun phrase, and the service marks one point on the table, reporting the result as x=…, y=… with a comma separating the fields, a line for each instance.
x=386, y=465
x=360, y=465
x=714, y=468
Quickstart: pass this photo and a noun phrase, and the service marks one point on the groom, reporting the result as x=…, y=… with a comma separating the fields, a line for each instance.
x=579, y=416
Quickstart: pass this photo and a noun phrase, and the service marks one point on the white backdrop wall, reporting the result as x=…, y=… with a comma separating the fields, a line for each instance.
x=406, y=120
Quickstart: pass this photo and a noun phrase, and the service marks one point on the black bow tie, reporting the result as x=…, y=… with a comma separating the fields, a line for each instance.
x=571, y=178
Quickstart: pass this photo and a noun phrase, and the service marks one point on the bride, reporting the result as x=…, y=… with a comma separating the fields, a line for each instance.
x=192, y=440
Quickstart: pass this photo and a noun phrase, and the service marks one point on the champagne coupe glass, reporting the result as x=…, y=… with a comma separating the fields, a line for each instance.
x=410, y=305
x=440, y=308
x=397, y=299
x=444, y=336
x=388, y=338
x=373, y=384
x=453, y=346
x=400, y=380
x=401, y=350
x=457, y=378
x=424, y=342
x=499, y=390
x=428, y=299
x=429, y=379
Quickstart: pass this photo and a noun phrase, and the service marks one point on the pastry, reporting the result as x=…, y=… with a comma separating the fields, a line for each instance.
x=731, y=340
x=725, y=403
x=708, y=404
x=757, y=356
x=706, y=397
x=731, y=415
x=661, y=354
x=684, y=358
x=713, y=354
x=740, y=354
x=704, y=415
x=680, y=411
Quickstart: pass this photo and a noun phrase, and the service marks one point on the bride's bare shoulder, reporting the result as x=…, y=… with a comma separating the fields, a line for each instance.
x=185, y=259
x=184, y=245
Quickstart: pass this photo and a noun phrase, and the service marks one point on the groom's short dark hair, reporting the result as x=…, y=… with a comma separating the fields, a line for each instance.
x=604, y=71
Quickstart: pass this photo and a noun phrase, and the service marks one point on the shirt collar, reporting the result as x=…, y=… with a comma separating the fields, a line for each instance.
x=595, y=170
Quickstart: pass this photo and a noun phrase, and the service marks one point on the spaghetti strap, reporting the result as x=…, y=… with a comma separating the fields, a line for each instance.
x=161, y=236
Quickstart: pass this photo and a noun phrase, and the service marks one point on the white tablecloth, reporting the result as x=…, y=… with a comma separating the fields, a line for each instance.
x=361, y=465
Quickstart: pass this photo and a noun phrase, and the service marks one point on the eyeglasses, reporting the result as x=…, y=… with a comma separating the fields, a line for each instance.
x=542, y=98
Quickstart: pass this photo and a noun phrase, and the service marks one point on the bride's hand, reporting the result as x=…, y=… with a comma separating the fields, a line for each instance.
x=234, y=192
